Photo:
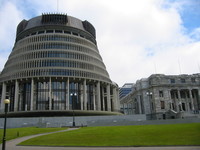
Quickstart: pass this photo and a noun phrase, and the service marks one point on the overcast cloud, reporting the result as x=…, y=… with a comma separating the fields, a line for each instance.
x=136, y=38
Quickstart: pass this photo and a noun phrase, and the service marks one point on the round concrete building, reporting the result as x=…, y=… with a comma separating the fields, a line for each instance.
x=54, y=68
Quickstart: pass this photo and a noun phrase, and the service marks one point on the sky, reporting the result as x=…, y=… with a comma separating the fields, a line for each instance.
x=136, y=38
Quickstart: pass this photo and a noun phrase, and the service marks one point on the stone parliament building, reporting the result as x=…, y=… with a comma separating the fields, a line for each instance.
x=55, y=67
x=164, y=96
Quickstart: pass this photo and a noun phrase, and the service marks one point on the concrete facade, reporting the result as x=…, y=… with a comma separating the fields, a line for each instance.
x=55, y=65
x=164, y=96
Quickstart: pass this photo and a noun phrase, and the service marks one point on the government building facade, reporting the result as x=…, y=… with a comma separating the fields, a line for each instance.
x=55, y=65
x=164, y=96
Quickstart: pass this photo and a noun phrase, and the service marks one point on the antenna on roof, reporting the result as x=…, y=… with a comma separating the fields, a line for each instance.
x=179, y=66
x=155, y=68
x=57, y=5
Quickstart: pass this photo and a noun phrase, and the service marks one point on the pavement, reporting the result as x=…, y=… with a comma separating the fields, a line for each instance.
x=12, y=145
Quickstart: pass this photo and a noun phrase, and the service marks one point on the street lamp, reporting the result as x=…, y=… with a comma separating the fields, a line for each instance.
x=6, y=102
x=73, y=98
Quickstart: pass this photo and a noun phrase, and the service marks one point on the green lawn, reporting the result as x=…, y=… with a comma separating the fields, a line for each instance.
x=140, y=135
x=19, y=132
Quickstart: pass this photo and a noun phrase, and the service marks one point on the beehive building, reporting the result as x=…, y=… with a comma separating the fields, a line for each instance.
x=55, y=65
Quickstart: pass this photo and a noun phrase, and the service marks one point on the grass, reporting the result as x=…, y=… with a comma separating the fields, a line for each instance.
x=141, y=135
x=20, y=132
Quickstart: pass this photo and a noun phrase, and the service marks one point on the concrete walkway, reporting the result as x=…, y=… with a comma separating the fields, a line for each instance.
x=11, y=145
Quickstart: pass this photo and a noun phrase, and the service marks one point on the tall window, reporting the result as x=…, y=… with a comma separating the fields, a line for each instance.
x=42, y=96
x=193, y=80
x=160, y=93
x=182, y=80
x=172, y=80
x=162, y=104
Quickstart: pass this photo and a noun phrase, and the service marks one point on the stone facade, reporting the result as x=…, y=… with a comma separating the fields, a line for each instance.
x=164, y=96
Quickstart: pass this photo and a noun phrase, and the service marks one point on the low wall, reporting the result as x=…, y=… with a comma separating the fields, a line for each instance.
x=121, y=120
x=67, y=121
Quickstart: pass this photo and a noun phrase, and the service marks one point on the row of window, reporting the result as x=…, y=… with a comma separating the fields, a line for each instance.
x=54, y=37
x=56, y=72
x=57, y=31
x=182, y=80
x=184, y=93
x=55, y=63
x=60, y=46
x=53, y=54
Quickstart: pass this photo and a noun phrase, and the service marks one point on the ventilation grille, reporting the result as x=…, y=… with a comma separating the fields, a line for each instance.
x=54, y=19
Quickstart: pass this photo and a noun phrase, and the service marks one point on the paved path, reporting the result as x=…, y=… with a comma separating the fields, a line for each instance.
x=11, y=145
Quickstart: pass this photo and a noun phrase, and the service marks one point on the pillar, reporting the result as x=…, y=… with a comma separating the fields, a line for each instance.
x=84, y=95
x=103, y=100
x=94, y=99
x=81, y=97
x=50, y=94
x=98, y=97
x=179, y=101
x=170, y=99
x=32, y=93
x=187, y=101
x=108, y=97
x=115, y=99
x=3, y=96
x=139, y=104
x=67, y=95
x=191, y=99
x=16, y=95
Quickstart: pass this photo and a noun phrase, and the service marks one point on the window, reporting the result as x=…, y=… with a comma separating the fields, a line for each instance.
x=58, y=31
x=160, y=93
x=162, y=104
x=49, y=31
x=182, y=80
x=193, y=80
x=67, y=32
x=34, y=33
x=172, y=80
x=40, y=32
x=75, y=33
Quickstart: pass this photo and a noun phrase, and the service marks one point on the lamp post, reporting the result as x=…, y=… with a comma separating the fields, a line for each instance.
x=73, y=96
x=6, y=102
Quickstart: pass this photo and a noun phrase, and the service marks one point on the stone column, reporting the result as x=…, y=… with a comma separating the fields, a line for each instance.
x=170, y=99
x=187, y=101
x=139, y=104
x=50, y=94
x=32, y=93
x=191, y=99
x=94, y=99
x=81, y=97
x=84, y=94
x=98, y=97
x=179, y=101
x=16, y=95
x=108, y=97
x=103, y=100
x=115, y=99
x=3, y=96
x=67, y=95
